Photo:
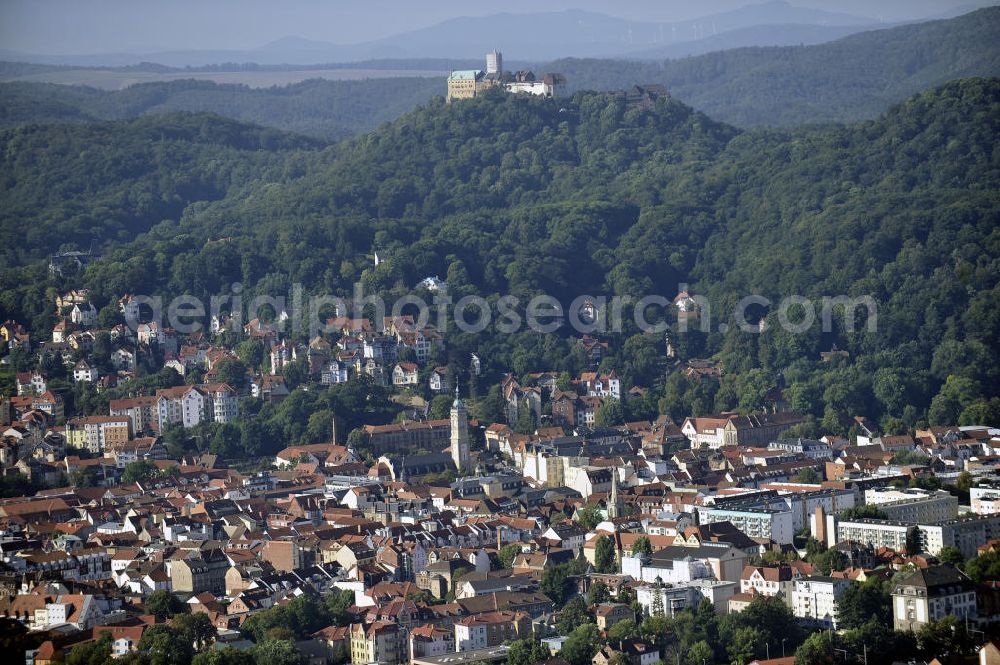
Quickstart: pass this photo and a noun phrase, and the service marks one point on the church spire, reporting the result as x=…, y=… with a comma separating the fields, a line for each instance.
x=615, y=507
x=459, y=434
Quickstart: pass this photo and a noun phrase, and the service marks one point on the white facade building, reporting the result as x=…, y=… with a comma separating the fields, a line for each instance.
x=985, y=500
x=769, y=523
x=814, y=599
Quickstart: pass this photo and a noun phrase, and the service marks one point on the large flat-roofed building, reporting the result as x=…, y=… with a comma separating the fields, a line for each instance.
x=877, y=533
x=803, y=501
x=965, y=533
x=985, y=499
x=497, y=654
x=761, y=515
x=913, y=505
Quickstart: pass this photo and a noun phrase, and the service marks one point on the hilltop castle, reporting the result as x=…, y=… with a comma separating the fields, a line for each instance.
x=468, y=83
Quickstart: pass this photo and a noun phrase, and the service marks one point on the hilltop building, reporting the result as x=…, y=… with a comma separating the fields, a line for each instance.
x=470, y=83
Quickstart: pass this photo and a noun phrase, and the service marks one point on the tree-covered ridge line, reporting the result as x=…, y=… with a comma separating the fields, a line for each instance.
x=89, y=184
x=515, y=195
x=850, y=79
x=319, y=108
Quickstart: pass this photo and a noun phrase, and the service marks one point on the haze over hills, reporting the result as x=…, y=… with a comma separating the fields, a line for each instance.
x=854, y=78
x=329, y=110
x=537, y=36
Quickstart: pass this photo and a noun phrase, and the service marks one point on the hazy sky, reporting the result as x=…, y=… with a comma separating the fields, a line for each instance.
x=108, y=26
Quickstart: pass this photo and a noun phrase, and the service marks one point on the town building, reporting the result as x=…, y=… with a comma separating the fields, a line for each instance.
x=814, y=600
x=930, y=594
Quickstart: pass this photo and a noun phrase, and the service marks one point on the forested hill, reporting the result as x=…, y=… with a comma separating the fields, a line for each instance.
x=83, y=185
x=512, y=194
x=854, y=78
x=851, y=79
x=329, y=110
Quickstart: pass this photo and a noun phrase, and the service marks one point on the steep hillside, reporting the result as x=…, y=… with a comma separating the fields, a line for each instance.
x=82, y=184
x=516, y=195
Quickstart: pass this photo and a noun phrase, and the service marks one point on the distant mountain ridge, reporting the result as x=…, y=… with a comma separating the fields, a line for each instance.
x=539, y=36
x=854, y=78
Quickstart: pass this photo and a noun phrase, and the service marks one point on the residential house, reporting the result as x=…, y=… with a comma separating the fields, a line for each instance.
x=405, y=374
x=608, y=614
x=440, y=380
x=84, y=371
x=490, y=629
x=930, y=594
x=31, y=383
x=98, y=433
x=83, y=314
x=380, y=642
x=334, y=372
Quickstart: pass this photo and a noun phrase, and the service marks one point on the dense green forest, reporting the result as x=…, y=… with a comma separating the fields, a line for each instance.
x=517, y=195
x=81, y=184
x=329, y=110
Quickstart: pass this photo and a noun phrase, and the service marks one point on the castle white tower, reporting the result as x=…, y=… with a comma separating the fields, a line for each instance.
x=459, y=434
x=494, y=62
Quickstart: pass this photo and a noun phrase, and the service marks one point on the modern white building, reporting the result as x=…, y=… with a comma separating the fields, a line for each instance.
x=672, y=571
x=985, y=499
x=758, y=523
x=966, y=533
x=877, y=533
x=686, y=564
x=685, y=596
x=913, y=505
x=814, y=599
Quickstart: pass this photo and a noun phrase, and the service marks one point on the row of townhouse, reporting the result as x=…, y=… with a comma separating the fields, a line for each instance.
x=408, y=374
x=98, y=433
x=184, y=406
x=730, y=429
